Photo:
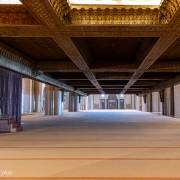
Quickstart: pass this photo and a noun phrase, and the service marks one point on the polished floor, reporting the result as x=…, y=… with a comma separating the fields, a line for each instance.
x=93, y=145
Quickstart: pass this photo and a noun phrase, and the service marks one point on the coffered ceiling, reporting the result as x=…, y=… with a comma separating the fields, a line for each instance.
x=112, y=50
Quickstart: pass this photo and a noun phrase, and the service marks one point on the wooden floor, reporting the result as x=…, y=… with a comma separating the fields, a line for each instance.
x=93, y=145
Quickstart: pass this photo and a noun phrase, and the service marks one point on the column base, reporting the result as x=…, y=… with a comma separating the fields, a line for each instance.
x=8, y=124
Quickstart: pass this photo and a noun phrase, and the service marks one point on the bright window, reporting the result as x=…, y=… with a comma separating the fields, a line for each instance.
x=117, y=2
x=10, y=2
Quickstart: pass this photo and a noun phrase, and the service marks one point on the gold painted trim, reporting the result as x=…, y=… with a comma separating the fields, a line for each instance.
x=97, y=6
x=114, y=16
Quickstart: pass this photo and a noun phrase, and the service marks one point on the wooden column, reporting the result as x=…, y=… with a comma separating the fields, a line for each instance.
x=27, y=95
x=49, y=100
x=73, y=102
x=58, y=102
x=162, y=99
x=10, y=94
x=37, y=96
x=151, y=103
x=145, y=98
x=91, y=102
x=172, y=101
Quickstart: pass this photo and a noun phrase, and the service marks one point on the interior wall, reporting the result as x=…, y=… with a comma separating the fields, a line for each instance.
x=93, y=101
x=177, y=100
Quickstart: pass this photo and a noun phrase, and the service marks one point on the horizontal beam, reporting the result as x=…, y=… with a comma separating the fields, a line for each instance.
x=24, y=31
x=114, y=78
x=66, y=66
x=165, y=66
x=112, y=83
x=60, y=66
x=162, y=44
x=119, y=30
x=46, y=14
x=115, y=92
x=115, y=88
x=166, y=84
x=15, y=63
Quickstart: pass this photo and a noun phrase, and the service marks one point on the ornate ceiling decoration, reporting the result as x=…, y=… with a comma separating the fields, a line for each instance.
x=168, y=10
x=119, y=15
x=114, y=16
x=126, y=14
x=62, y=9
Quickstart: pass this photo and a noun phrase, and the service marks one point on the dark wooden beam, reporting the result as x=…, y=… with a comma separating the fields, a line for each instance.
x=113, y=92
x=168, y=83
x=165, y=66
x=163, y=43
x=45, y=13
x=13, y=60
x=24, y=31
x=15, y=30
x=67, y=66
x=113, y=78
x=110, y=88
x=119, y=31
x=57, y=66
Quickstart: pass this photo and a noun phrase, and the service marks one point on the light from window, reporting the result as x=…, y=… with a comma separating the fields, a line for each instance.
x=10, y=2
x=117, y=2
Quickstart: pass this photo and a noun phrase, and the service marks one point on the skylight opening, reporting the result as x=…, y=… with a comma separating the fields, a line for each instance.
x=116, y=2
x=10, y=2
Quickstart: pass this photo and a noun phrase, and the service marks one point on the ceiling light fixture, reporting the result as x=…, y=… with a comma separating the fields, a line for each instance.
x=103, y=95
x=122, y=95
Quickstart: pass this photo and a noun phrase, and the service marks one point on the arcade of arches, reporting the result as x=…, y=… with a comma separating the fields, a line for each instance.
x=89, y=89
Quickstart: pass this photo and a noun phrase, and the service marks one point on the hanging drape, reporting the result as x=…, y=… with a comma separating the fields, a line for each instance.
x=10, y=94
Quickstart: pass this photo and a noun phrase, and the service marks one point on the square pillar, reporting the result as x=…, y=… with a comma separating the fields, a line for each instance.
x=74, y=102
x=37, y=96
x=162, y=100
x=53, y=101
x=151, y=103
x=90, y=102
x=27, y=94
x=172, y=112
x=49, y=100
x=58, y=102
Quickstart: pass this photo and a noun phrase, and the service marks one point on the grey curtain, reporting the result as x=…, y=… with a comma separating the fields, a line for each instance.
x=10, y=94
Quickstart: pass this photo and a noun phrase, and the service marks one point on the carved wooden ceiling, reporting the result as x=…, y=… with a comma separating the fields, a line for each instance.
x=112, y=50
